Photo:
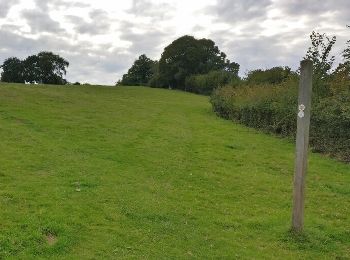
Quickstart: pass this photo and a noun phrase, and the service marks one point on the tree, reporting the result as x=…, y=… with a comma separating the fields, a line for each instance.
x=45, y=67
x=188, y=56
x=346, y=52
x=274, y=75
x=157, y=80
x=341, y=75
x=206, y=83
x=13, y=70
x=233, y=68
x=53, y=68
x=140, y=72
x=32, y=69
x=319, y=54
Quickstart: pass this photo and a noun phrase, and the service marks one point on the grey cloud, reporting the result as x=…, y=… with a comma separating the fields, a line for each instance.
x=325, y=15
x=45, y=5
x=197, y=28
x=286, y=49
x=40, y=21
x=13, y=44
x=105, y=63
x=93, y=68
x=145, y=8
x=237, y=11
x=100, y=23
x=5, y=6
x=336, y=12
x=262, y=52
x=10, y=27
x=313, y=7
x=253, y=50
x=151, y=42
x=87, y=63
x=148, y=43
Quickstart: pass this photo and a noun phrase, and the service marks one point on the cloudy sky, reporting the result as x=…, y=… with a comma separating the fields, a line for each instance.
x=102, y=38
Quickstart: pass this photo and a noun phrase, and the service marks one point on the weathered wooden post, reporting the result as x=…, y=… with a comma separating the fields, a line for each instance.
x=302, y=143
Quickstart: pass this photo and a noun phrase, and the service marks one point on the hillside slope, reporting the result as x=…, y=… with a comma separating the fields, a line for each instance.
x=105, y=172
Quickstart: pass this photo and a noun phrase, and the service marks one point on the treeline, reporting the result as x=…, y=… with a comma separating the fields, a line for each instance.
x=196, y=65
x=267, y=99
x=189, y=64
x=44, y=68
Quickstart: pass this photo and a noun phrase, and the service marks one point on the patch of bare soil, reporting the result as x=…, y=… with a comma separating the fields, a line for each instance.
x=51, y=239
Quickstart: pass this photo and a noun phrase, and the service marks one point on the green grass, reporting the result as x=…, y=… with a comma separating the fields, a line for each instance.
x=105, y=172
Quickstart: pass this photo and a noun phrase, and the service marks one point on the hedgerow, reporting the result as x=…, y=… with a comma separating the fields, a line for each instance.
x=273, y=108
x=205, y=83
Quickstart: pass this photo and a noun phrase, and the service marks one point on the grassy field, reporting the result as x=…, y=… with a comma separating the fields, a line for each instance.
x=106, y=172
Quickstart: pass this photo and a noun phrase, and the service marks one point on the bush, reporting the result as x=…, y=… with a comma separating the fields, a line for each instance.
x=205, y=83
x=275, y=75
x=157, y=81
x=330, y=124
x=273, y=108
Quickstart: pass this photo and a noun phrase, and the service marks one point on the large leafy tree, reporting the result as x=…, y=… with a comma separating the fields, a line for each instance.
x=187, y=56
x=52, y=67
x=140, y=72
x=45, y=67
x=32, y=69
x=12, y=70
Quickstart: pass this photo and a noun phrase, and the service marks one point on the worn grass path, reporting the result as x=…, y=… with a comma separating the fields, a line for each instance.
x=105, y=172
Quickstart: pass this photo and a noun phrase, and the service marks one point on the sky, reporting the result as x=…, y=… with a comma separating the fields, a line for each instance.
x=102, y=38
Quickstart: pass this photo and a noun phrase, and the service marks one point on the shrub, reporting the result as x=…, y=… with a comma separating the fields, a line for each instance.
x=275, y=75
x=272, y=108
x=157, y=81
x=205, y=83
x=330, y=124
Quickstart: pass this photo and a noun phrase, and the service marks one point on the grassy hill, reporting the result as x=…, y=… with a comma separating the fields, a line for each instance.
x=105, y=172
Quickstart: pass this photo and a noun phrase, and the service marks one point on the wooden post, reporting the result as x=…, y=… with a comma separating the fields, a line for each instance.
x=302, y=143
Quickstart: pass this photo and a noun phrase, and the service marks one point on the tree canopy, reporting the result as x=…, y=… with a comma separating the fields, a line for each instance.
x=188, y=56
x=45, y=67
x=190, y=64
x=13, y=70
x=140, y=72
x=320, y=54
x=346, y=52
x=274, y=75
